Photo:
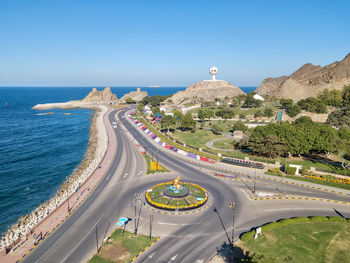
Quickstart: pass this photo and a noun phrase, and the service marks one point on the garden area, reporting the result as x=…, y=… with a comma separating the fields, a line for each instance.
x=314, y=239
x=187, y=196
x=121, y=247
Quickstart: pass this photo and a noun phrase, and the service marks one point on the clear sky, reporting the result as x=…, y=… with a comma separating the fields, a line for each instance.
x=167, y=43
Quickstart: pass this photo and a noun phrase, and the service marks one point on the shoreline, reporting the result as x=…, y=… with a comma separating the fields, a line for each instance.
x=95, y=152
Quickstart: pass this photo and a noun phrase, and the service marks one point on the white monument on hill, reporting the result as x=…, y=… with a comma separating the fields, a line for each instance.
x=213, y=71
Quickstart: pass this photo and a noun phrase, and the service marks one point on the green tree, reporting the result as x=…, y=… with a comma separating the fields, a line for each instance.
x=258, y=113
x=156, y=110
x=346, y=96
x=217, y=129
x=270, y=145
x=286, y=102
x=293, y=110
x=187, y=122
x=339, y=118
x=167, y=121
x=268, y=112
x=330, y=97
x=239, y=126
x=154, y=100
x=130, y=101
x=205, y=114
x=140, y=108
x=250, y=102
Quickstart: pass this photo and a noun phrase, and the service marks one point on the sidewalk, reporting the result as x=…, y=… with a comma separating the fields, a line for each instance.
x=57, y=217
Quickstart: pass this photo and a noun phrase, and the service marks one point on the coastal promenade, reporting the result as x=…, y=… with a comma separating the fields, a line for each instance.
x=51, y=222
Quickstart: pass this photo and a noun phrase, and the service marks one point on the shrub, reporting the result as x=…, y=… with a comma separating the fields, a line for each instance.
x=295, y=220
x=318, y=218
x=291, y=170
x=270, y=226
x=276, y=171
x=248, y=236
x=336, y=219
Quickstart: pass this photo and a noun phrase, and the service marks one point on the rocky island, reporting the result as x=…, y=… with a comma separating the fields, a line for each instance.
x=308, y=81
x=136, y=96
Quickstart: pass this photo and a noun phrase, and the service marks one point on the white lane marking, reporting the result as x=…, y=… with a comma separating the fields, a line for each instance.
x=199, y=260
x=301, y=208
x=83, y=238
x=172, y=258
x=149, y=257
x=170, y=224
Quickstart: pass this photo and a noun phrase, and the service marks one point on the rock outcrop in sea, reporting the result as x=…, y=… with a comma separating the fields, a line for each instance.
x=206, y=90
x=308, y=81
x=105, y=95
x=137, y=96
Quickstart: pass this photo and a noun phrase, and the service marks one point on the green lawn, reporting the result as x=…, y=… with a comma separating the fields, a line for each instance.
x=121, y=248
x=197, y=139
x=304, y=242
x=224, y=144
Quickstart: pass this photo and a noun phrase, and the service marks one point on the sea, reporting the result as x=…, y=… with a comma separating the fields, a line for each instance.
x=38, y=151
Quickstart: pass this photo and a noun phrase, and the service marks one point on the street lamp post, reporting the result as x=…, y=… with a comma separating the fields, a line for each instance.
x=284, y=175
x=232, y=206
x=135, y=200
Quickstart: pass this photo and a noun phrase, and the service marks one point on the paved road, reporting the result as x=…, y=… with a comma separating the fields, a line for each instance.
x=202, y=234
x=184, y=238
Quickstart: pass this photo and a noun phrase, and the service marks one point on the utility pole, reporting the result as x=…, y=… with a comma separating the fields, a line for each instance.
x=150, y=226
x=232, y=206
x=254, y=178
x=135, y=200
x=284, y=175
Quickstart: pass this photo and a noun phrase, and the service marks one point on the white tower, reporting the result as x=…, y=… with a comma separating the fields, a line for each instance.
x=213, y=71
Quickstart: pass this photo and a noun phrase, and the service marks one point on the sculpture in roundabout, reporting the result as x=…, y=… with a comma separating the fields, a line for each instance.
x=176, y=195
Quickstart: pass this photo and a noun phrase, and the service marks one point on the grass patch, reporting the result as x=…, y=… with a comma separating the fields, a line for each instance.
x=149, y=170
x=197, y=139
x=303, y=242
x=120, y=248
x=224, y=144
x=179, y=146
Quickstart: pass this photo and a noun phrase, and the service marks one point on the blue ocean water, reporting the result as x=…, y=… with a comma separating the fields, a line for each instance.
x=38, y=152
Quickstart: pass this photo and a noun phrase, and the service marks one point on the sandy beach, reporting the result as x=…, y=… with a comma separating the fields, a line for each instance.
x=98, y=143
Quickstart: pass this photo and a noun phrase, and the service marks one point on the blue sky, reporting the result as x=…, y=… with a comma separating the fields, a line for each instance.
x=167, y=43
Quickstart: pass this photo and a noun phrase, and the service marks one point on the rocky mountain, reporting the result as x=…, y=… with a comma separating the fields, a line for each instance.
x=105, y=95
x=308, y=81
x=137, y=96
x=206, y=90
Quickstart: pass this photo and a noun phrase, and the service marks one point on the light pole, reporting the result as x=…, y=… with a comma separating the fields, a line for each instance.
x=284, y=175
x=150, y=226
x=232, y=206
x=135, y=200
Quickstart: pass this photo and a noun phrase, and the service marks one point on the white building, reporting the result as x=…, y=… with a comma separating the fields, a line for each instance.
x=258, y=97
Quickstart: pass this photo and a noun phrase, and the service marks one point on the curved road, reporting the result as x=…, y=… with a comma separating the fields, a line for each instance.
x=184, y=238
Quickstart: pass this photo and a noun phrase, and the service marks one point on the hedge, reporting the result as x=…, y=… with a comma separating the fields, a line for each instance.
x=295, y=220
x=318, y=218
x=291, y=170
x=336, y=219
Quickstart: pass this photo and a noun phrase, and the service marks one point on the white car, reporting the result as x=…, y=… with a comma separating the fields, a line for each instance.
x=114, y=122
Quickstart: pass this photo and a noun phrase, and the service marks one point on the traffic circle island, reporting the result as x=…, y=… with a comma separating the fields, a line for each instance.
x=176, y=196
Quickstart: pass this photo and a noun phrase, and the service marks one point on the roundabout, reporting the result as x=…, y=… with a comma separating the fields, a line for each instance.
x=176, y=195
